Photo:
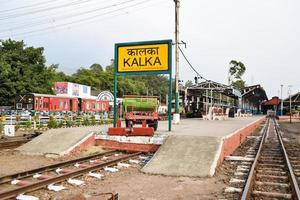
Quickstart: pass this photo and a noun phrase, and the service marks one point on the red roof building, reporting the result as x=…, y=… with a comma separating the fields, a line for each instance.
x=272, y=104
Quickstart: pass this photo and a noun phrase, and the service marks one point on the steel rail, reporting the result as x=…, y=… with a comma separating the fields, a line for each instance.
x=13, y=143
x=24, y=174
x=249, y=183
x=295, y=186
x=250, y=180
x=75, y=173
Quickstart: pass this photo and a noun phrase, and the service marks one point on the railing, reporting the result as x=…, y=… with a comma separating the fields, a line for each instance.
x=42, y=122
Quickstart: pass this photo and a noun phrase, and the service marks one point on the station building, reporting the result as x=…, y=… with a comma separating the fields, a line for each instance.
x=271, y=104
x=294, y=101
x=200, y=96
x=252, y=99
x=275, y=104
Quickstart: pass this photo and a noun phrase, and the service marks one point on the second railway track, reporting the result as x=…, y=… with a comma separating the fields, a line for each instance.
x=13, y=142
x=28, y=181
x=272, y=175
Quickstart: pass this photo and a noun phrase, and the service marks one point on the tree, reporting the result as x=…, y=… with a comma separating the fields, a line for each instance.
x=86, y=77
x=189, y=83
x=238, y=84
x=97, y=68
x=236, y=71
x=22, y=70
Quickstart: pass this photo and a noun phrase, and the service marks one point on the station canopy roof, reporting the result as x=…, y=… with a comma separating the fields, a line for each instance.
x=209, y=85
x=254, y=93
x=295, y=99
x=275, y=101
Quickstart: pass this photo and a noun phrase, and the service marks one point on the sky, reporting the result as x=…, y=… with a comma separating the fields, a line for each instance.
x=264, y=35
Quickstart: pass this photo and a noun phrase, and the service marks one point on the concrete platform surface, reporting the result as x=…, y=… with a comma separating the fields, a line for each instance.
x=195, y=147
x=199, y=127
x=183, y=155
x=59, y=141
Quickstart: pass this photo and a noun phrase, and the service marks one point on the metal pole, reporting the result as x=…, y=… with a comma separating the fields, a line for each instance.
x=211, y=98
x=281, y=107
x=176, y=56
x=290, y=110
x=115, y=100
x=290, y=93
x=206, y=103
x=170, y=89
x=170, y=102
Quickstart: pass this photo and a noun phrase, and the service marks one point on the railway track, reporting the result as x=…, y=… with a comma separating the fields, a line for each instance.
x=272, y=174
x=13, y=142
x=38, y=178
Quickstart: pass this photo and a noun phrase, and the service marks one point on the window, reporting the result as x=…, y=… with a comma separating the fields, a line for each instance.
x=19, y=106
x=103, y=106
x=29, y=106
x=41, y=103
x=97, y=105
x=46, y=105
x=36, y=103
x=66, y=104
x=87, y=105
x=61, y=104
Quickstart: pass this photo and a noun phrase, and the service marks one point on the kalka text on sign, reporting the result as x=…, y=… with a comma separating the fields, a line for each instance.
x=143, y=58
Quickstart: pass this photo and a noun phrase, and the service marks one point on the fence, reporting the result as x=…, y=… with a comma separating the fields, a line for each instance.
x=43, y=122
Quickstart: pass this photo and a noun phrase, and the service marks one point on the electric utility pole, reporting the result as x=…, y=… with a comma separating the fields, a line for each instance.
x=281, y=106
x=290, y=94
x=176, y=116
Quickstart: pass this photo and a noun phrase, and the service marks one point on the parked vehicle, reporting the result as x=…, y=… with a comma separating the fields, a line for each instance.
x=141, y=108
x=53, y=103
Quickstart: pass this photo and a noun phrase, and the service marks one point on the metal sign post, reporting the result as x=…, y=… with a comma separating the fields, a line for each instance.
x=143, y=58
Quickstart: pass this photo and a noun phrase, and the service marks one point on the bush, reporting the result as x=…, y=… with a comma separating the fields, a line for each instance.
x=36, y=118
x=28, y=124
x=86, y=122
x=52, y=122
x=78, y=122
x=60, y=124
x=17, y=127
x=93, y=120
x=69, y=123
x=1, y=127
x=39, y=126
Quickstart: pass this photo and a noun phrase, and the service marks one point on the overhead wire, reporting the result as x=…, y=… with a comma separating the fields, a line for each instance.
x=28, y=6
x=77, y=21
x=95, y=20
x=64, y=17
x=44, y=9
x=51, y=14
x=191, y=66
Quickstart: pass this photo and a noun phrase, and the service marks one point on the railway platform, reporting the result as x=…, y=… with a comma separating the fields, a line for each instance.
x=60, y=142
x=196, y=147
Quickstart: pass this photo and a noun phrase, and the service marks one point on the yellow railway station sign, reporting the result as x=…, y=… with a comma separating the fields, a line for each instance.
x=143, y=58
x=153, y=56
